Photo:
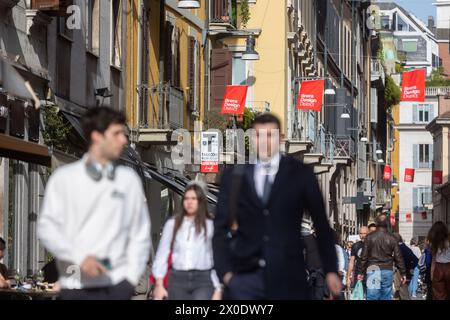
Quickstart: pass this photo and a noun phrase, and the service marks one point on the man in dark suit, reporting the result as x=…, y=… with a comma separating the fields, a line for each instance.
x=258, y=251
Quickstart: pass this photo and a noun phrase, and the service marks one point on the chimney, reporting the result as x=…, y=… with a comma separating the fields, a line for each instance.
x=431, y=23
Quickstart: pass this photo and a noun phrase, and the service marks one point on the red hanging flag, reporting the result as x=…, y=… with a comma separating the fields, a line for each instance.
x=387, y=173
x=234, y=100
x=311, y=95
x=409, y=175
x=408, y=217
x=392, y=218
x=437, y=177
x=413, y=85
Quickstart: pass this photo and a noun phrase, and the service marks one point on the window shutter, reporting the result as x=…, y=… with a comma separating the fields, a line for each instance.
x=17, y=118
x=431, y=112
x=415, y=199
x=191, y=73
x=221, y=75
x=33, y=123
x=168, y=53
x=415, y=156
x=415, y=113
x=431, y=157
x=199, y=78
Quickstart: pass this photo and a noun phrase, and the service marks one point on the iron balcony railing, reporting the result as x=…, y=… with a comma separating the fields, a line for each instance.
x=435, y=91
x=345, y=147
x=224, y=12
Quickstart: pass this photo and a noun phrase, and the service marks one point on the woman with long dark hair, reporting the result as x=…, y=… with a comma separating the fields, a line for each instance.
x=188, y=238
x=438, y=237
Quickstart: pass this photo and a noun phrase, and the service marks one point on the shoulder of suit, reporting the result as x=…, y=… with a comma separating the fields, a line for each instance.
x=289, y=160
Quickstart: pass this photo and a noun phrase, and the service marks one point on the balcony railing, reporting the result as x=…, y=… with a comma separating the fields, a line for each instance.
x=345, y=147
x=377, y=70
x=435, y=91
x=258, y=106
x=224, y=12
x=330, y=145
x=176, y=107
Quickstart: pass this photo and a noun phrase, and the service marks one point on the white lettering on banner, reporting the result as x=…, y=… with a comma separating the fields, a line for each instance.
x=411, y=92
x=308, y=100
x=231, y=105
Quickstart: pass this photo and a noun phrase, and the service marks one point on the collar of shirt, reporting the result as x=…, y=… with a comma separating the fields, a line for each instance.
x=271, y=166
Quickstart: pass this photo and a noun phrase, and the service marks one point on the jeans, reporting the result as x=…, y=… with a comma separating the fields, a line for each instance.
x=247, y=286
x=379, y=284
x=414, y=282
x=190, y=285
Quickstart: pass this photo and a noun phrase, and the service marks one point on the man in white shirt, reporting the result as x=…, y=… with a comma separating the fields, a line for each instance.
x=94, y=218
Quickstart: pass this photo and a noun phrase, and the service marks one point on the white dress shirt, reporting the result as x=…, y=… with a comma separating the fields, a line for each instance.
x=107, y=219
x=191, y=251
x=443, y=256
x=262, y=169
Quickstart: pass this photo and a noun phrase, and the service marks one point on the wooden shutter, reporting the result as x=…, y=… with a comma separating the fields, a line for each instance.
x=415, y=113
x=191, y=73
x=33, y=123
x=415, y=156
x=168, y=53
x=415, y=199
x=431, y=112
x=3, y=120
x=431, y=156
x=17, y=118
x=221, y=75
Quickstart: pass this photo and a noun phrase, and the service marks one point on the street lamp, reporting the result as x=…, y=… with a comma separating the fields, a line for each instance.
x=250, y=53
x=364, y=139
x=191, y=4
x=330, y=92
x=345, y=114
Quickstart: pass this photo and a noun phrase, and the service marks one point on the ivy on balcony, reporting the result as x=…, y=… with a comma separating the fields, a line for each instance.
x=392, y=93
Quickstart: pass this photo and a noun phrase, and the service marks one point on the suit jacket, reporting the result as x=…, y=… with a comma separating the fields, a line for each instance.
x=271, y=232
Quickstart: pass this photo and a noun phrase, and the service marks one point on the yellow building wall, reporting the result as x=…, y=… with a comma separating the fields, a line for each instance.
x=395, y=160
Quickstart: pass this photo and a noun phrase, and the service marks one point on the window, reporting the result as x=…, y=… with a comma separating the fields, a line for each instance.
x=423, y=113
x=385, y=23
x=239, y=71
x=421, y=197
x=61, y=25
x=116, y=33
x=409, y=45
x=423, y=156
x=93, y=26
x=402, y=25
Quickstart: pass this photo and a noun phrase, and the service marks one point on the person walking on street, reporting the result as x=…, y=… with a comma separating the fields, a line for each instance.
x=4, y=283
x=188, y=238
x=415, y=278
x=440, y=268
x=355, y=257
x=411, y=261
x=261, y=206
x=381, y=251
x=94, y=218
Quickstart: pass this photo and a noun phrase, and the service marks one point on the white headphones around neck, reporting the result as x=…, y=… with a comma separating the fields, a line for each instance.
x=95, y=171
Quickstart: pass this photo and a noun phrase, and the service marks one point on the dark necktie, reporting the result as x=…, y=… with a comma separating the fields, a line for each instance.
x=267, y=185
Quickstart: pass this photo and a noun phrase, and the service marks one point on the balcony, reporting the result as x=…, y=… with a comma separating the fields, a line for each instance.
x=158, y=129
x=344, y=151
x=50, y=7
x=377, y=71
x=437, y=91
x=223, y=15
x=258, y=106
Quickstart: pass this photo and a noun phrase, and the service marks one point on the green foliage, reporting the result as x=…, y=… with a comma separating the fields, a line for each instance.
x=249, y=116
x=437, y=78
x=399, y=68
x=55, y=131
x=245, y=13
x=392, y=93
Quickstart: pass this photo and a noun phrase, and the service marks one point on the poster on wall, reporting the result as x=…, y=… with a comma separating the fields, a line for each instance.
x=209, y=152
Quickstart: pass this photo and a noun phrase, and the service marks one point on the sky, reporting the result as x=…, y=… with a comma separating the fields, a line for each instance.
x=420, y=8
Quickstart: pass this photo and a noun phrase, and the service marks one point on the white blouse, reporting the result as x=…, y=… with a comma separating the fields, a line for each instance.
x=191, y=251
x=443, y=256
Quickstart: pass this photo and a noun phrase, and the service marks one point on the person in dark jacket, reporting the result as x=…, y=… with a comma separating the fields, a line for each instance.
x=261, y=205
x=316, y=277
x=411, y=261
x=381, y=251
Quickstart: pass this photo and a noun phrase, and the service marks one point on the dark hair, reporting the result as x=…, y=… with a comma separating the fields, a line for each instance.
x=381, y=221
x=372, y=225
x=438, y=236
x=2, y=244
x=413, y=242
x=265, y=118
x=201, y=216
x=99, y=119
x=398, y=237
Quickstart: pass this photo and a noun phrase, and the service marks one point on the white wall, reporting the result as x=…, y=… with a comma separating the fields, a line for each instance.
x=406, y=111
x=442, y=14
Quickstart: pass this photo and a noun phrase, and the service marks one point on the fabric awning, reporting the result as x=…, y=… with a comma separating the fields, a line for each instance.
x=75, y=122
x=22, y=150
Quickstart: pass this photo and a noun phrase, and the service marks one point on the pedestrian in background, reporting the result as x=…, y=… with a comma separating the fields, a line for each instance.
x=261, y=206
x=187, y=237
x=355, y=257
x=440, y=269
x=315, y=273
x=380, y=253
x=415, y=277
x=4, y=283
x=411, y=261
x=94, y=219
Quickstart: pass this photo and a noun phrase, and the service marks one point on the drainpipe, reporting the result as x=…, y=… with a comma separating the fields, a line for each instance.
x=206, y=63
x=162, y=43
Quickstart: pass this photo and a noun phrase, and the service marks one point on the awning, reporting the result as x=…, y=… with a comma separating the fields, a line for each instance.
x=75, y=122
x=22, y=150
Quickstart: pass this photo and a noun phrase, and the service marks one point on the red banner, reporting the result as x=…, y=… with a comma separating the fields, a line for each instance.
x=437, y=177
x=234, y=100
x=209, y=167
x=409, y=175
x=408, y=217
x=311, y=95
x=413, y=85
x=387, y=174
